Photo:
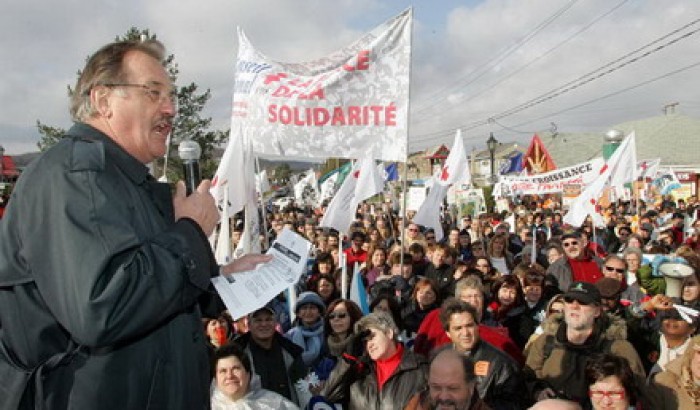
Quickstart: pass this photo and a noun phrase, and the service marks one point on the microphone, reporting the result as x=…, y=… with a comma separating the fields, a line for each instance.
x=189, y=152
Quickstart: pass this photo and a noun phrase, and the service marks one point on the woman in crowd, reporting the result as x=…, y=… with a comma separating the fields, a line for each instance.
x=323, y=265
x=424, y=299
x=219, y=331
x=535, y=304
x=611, y=383
x=307, y=331
x=488, y=273
x=235, y=387
x=324, y=285
x=497, y=251
x=678, y=387
x=555, y=306
x=554, y=252
x=507, y=306
x=633, y=292
x=378, y=372
x=386, y=302
x=376, y=265
x=339, y=324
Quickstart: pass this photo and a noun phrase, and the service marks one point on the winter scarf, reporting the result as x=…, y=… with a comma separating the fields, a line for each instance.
x=310, y=338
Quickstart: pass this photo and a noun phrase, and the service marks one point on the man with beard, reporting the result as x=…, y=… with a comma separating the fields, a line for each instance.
x=576, y=266
x=451, y=385
x=556, y=361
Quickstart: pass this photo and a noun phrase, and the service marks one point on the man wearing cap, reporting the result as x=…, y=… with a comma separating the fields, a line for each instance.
x=275, y=359
x=576, y=265
x=555, y=363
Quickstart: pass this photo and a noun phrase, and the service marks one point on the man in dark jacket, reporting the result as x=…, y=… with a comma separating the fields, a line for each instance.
x=498, y=379
x=379, y=373
x=274, y=358
x=101, y=268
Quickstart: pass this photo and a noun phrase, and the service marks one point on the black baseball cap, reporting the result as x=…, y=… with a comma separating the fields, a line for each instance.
x=584, y=292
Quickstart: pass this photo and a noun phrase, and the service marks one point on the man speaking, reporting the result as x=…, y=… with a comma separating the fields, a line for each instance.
x=101, y=267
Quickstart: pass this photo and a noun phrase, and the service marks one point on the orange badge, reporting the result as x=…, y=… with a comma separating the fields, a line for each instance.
x=481, y=368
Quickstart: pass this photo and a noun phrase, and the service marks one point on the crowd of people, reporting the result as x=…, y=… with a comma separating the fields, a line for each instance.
x=542, y=314
x=106, y=298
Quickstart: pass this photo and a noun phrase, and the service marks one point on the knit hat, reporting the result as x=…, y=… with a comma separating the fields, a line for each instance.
x=584, y=292
x=313, y=298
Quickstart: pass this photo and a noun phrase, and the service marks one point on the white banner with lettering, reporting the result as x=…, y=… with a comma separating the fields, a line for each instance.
x=350, y=104
x=551, y=182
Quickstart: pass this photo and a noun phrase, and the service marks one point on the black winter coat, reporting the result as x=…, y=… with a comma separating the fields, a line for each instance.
x=99, y=286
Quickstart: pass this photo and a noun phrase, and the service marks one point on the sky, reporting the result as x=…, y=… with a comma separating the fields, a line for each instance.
x=472, y=60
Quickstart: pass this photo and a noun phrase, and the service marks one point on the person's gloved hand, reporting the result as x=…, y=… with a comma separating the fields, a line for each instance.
x=355, y=345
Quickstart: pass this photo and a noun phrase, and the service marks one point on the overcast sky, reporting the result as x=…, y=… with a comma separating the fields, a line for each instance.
x=472, y=60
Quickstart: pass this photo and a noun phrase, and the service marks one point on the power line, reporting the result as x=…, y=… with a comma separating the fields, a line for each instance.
x=574, y=84
x=440, y=95
x=546, y=53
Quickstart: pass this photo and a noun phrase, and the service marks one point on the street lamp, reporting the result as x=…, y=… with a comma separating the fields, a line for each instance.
x=492, y=143
x=2, y=154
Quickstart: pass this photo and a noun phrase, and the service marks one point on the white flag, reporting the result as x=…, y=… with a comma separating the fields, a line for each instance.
x=250, y=238
x=613, y=170
x=223, y=243
x=262, y=183
x=328, y=187
x=623, y=164
x=341, y=211
x=456, y=168
x=306, y=190
x=647, y=168
x=429, y=213
x=370, y=181
x=229, y=175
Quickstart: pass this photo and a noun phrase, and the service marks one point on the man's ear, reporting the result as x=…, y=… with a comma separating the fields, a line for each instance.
x=99, y=99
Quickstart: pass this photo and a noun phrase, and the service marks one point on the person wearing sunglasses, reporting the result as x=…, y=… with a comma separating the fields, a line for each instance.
x=376, y=371
x=555, y=363
x=576, y=266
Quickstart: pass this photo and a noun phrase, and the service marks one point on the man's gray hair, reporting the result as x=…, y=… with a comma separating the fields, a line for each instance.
x=633, y=251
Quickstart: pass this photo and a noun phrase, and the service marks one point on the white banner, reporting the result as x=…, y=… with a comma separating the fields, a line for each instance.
x=351, y=104
x=552, y=181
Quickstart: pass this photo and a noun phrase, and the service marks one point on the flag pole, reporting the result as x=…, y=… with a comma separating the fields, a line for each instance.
x=408, y=127
x=262, y=204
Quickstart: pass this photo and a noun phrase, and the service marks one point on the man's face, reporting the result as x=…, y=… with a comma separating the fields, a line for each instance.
x=262, y=326
x=438, y=257
x=572, y=248
x=676, y=328
x=526, y=235
x=139, y=119
x=447, y=387
x=413, y=231
x=463, y=331
x=615, y=268
x=474, y=297
x=579, y=316
x=332, y=241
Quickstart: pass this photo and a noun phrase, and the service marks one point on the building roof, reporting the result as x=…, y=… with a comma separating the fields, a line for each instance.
x=673, y=138
x=439, y=152
x=506, y=150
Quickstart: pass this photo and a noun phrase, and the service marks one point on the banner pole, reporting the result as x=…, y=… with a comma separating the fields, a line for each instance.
x=408, y=128
x=262, y=204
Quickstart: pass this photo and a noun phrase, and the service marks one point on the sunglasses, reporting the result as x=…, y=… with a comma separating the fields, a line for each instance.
x=337, y=316
x=570, y=300
x=554, y=311
x=611, y=269
x=567, y=244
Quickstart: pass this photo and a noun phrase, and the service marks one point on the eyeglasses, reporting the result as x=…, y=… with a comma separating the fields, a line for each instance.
x=611, y=269
x=156, y=95
x=600, y=394
x=555, y=311
x=412, y=230
x=337, y=316
x=567, y=244
x=429, y=238
x=570, y=300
